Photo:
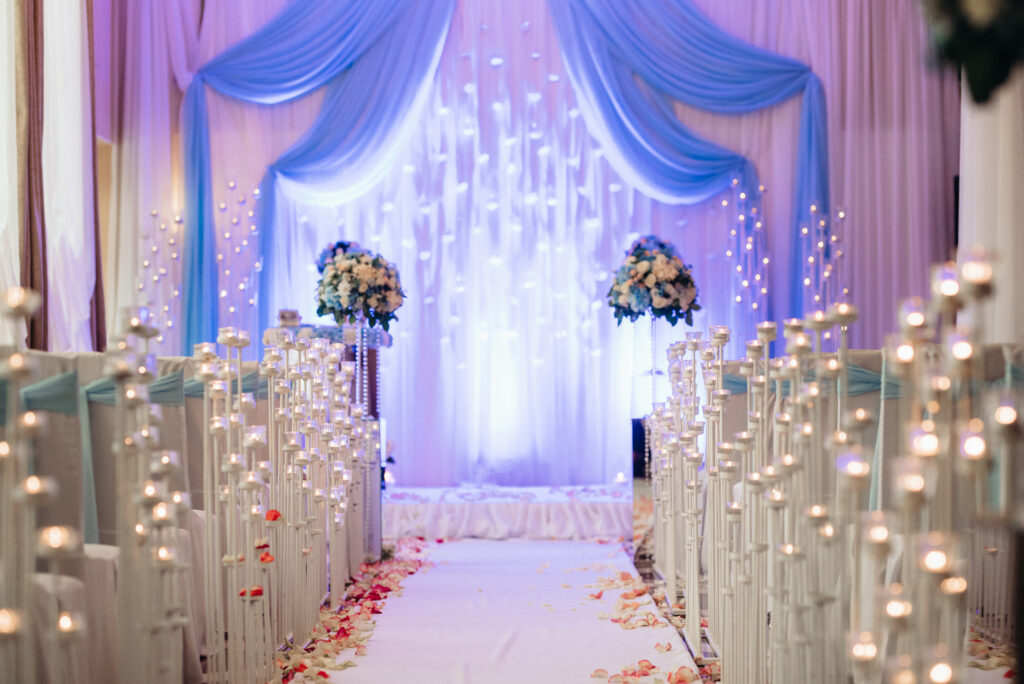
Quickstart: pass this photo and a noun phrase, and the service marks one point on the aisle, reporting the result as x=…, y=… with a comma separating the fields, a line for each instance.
x=515, y=611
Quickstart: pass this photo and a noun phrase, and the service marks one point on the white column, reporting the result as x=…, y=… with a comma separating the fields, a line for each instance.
x=991, y=201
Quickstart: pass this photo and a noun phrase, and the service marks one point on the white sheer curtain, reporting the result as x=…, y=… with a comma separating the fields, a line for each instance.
x=10, y=238
x=67, y=174
x=893, y=137
x=506, y=222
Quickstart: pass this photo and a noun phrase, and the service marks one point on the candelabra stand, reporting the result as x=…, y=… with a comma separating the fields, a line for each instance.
x=150, y=593
x=21, y=493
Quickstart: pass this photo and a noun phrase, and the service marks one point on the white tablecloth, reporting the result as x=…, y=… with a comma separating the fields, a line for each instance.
x=578, y=512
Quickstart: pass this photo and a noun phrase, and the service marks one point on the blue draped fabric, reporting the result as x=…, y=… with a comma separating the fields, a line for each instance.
x=626, y=58
x=56, y=394
x=168, y=390
x=310, y=44
x=862, y=381
x=195, y=388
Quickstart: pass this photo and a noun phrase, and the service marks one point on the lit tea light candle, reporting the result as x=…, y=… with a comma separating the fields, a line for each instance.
x=960, y=346
x=816, y=512
x=161, y=514
x=940, y=673
x=204, y=351
x=953, y=586
x=150, y=494
x=863, y=648
x=57, y=539
x=976, y=272
x=767, y=331
x=38, y=489
x=10, y=622
x=775, y=498
x=912, y=314
x=164, y=555
x=924, y=443
x=68, y=624
x=945, y=286
x=898, y=609
x=972, y=445
x=1005, y=415
x=844, y=313
x=935, y=560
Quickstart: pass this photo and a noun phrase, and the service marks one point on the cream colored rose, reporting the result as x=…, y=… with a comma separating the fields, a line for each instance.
x=660, y=302
x=664, y=270
x=643, y=267
x=623, y=300
x=687, y=296
x=651, y=280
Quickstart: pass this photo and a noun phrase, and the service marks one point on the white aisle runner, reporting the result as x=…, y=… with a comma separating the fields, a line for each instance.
x=514, y=611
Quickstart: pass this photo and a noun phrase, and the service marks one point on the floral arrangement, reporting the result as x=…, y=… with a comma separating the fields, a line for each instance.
x=356, y=283
x=982, y=38
x=340, y=247
x=653, y=278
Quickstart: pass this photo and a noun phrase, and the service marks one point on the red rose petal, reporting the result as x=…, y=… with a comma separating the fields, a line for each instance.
x=273, y=514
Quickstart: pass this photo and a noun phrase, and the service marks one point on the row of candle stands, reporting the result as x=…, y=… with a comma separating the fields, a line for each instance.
x=803, y=563
x=288, y=488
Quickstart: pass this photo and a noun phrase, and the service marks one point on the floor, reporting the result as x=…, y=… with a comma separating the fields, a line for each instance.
x=519, y=611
